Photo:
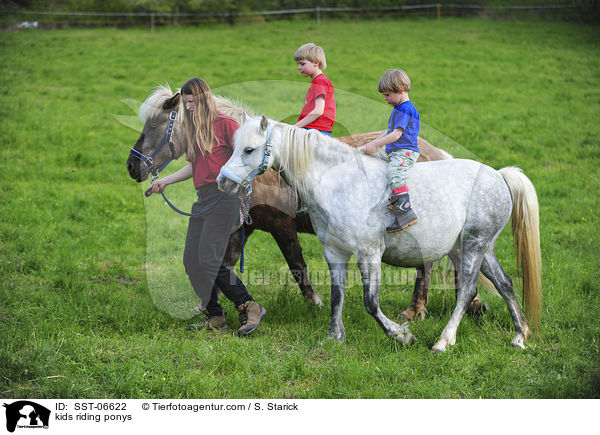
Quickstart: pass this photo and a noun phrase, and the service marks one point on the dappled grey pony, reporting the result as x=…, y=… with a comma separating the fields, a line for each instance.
x=461, y=204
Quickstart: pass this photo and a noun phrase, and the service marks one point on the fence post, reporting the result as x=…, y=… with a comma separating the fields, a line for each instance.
x=152, y=22
x=318, y=9
x=439, y=10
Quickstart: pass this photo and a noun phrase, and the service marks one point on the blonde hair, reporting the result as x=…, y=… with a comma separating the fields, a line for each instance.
x=312, y=53
x=393, y=80
x=199, y=123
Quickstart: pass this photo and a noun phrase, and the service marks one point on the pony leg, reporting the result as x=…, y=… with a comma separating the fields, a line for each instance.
x=283, y=229
x=467, y=290
x=420, y=294
x=492, y=270
x=371, y=277
x=476, y=307
x=338, y=268
x=234, y=247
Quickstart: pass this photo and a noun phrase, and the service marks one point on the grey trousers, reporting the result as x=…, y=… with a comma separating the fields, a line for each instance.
x=205, y=246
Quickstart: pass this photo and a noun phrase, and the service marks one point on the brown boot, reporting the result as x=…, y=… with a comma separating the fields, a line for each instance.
x=250, y=316
x=211, y=323
x=403, y=213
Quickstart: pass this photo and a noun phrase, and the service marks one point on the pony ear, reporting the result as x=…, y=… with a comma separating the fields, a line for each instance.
x=172, y=102
x=264, y=123
x=244, y=117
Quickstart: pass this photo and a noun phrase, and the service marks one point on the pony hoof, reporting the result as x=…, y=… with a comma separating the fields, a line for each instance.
x=316, y=301
x=518, y=342
x=408, y=338
x=438, y=348
x=477, y=308
x=408, y=314
x=339, y=337
x=403, y=334
x=411, y=314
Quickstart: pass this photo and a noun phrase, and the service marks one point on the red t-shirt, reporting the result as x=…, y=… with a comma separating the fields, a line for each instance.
x=320, y=85
x=206, y=167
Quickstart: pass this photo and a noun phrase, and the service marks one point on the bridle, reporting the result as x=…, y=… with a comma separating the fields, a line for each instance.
x=262, y=167
x=149, y=160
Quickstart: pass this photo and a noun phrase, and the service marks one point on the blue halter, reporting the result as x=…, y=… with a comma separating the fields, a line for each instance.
x=149, y=160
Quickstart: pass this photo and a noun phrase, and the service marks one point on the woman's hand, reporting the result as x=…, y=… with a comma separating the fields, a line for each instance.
x=156, y=187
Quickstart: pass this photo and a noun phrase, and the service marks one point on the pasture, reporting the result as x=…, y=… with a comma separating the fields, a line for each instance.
x=89, y=266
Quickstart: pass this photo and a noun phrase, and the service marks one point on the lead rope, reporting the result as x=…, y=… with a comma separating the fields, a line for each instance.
x=245, y=217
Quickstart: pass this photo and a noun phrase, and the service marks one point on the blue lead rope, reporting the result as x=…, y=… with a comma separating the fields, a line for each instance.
x=244, y=219
x=170, y=204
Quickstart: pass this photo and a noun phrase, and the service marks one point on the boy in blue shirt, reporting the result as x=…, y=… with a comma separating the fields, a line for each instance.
x=401, y=144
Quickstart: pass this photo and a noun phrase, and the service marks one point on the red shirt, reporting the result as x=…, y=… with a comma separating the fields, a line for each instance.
x=206, y=167
x=320, y=85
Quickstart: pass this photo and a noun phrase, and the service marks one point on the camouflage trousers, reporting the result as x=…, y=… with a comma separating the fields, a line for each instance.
x=400, y=162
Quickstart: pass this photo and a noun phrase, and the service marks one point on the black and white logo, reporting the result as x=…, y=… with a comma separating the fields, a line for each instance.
x=26, y=415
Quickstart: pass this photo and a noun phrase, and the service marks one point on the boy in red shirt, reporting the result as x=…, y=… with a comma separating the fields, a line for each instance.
x=318, y=112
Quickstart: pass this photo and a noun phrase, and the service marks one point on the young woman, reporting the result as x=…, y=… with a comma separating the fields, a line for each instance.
x=216, y=214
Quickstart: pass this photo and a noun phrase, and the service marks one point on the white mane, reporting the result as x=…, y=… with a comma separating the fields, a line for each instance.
x=153, y=106
x=296, y=150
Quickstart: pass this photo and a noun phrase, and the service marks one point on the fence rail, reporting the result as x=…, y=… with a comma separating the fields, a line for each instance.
x=316, y=12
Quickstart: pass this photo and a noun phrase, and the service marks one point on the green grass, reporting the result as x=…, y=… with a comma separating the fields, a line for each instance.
x=83, y=255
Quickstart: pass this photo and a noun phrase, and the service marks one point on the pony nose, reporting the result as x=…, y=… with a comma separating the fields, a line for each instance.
x=133, y=167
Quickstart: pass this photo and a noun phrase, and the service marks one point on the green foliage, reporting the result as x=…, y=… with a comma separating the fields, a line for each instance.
x=80, y=315
x=207, y=6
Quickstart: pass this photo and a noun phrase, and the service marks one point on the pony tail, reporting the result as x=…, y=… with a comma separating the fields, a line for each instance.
x=526, y=233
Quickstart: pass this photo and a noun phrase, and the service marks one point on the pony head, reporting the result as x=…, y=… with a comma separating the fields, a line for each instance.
x=252, y=154
x=156, y=112
x=262, y=143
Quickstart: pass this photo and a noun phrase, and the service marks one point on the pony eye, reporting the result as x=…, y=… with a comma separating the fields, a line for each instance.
x=248, y=150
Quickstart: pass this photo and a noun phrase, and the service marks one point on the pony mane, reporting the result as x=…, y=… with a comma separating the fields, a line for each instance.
x=153, y=106
x=235, y=109
x=297, y=153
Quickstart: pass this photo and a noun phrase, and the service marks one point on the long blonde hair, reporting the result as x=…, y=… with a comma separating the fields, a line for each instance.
x=199, y=123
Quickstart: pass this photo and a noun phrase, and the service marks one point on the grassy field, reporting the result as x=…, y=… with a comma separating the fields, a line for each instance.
x=81, y=314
